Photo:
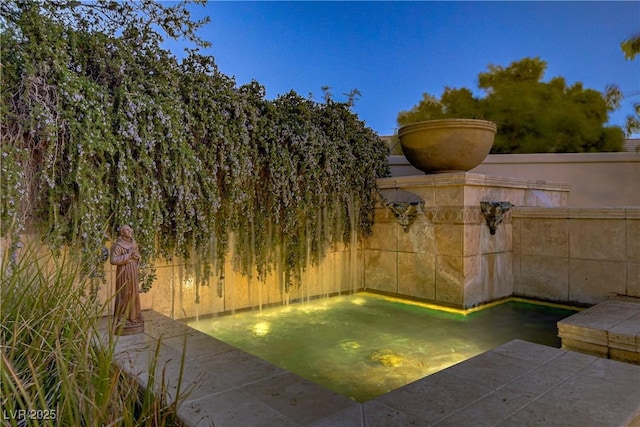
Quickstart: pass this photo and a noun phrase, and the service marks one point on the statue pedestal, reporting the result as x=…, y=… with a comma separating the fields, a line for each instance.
x=129, y=328
x=448, y=255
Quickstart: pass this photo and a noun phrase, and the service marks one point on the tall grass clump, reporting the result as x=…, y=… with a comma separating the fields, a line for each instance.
x=57, y=366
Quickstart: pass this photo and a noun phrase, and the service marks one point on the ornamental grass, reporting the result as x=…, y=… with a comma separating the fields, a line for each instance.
x=57, y=365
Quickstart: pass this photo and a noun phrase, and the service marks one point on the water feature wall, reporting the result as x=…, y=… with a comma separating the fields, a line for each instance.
x=448, y=255
x=446, y=252
x=576, y=254
x=176, y=292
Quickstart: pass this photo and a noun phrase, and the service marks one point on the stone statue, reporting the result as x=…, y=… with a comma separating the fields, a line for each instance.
x=127, y=313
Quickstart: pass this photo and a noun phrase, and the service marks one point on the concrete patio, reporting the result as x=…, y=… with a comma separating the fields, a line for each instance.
x=516, y=384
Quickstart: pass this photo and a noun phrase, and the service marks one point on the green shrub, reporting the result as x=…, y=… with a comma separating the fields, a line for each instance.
x=57, y=365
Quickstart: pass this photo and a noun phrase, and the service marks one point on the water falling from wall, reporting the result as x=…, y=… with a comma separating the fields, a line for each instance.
x=324, y=258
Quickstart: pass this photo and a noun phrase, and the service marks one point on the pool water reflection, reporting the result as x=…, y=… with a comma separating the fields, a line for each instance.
x=364, y=345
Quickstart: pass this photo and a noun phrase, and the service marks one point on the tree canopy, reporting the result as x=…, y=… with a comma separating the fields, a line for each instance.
x=532, y=116
x=102, y=127
x=631, y=47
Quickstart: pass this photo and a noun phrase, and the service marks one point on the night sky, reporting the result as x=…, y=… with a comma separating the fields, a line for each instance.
x=393, y=52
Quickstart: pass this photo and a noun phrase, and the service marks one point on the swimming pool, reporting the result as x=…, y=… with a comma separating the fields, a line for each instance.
x=364, y=345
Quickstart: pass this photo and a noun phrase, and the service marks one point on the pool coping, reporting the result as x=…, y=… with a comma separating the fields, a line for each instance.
x=610, y=329
x=518, y=383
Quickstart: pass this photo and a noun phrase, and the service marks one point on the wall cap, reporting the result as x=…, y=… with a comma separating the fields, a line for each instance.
x=469, y=179
x=622, y=212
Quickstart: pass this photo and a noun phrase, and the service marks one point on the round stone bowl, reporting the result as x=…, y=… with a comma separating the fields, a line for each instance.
x=447, y=145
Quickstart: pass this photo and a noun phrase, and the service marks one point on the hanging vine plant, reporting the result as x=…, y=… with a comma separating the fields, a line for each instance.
x=103, y=127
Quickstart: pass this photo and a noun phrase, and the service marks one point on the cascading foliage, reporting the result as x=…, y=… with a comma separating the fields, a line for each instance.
x=100, y=130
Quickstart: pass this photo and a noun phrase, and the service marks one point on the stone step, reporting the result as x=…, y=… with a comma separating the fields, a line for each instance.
x=609, y=329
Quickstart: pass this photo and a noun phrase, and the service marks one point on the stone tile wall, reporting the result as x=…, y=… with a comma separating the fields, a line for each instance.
x=578, y=254
x=448, y=255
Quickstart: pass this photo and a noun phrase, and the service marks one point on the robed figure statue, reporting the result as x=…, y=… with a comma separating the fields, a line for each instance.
x=125, y=255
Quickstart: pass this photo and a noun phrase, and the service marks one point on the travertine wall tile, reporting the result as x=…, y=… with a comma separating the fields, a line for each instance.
x=593, y=281
x=633, y=279
x=591, y=234
x=502, y=241
x=449, y=195
x=420, y=237
x=517, y=235
x=633, y=240
x=474, y=236
x=602, y=239
x=384, y=235
x=328, y=275
x=545, y=277
x=473, y=195
x=517, y=274
x=448, y=255
x=449, y=239
x=162, y=296
x=449, y=280
x=497, y=274
x=381, y=270
x=487, y=277
x=479, y=240
x=427, y=194
x=417, y=275
x=473, y=285
x=175, y=292
x=544, y=236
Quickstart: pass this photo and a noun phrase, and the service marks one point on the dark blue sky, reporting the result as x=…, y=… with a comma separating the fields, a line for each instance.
x=395, y=51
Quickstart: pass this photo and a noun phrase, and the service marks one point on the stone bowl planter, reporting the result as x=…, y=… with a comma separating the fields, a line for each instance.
x=447, y=145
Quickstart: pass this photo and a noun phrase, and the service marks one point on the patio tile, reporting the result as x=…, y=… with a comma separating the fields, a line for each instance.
x=378, y=415
x=540, y=414
x=231, y=409
x=492, y=369
x=572, y=361
x=198, y=345
x=538, y=381
x=168, y=367
x=157, y=325
x=622, y=375
x=524, y=350
x=516, y=384
x=585, y=397
x=350, y=417
x=434, y=397
x=604, y=315
x=624, y=333
x=488, y=411
x=299, y=399
x=236, y=368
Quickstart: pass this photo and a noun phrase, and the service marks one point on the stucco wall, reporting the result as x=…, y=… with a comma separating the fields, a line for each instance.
x=595, y=179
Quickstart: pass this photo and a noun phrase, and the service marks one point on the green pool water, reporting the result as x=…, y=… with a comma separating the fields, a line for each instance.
x=364, y=345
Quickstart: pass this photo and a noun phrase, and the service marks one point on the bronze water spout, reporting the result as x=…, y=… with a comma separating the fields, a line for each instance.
x=493, y=213
x=406, y=211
